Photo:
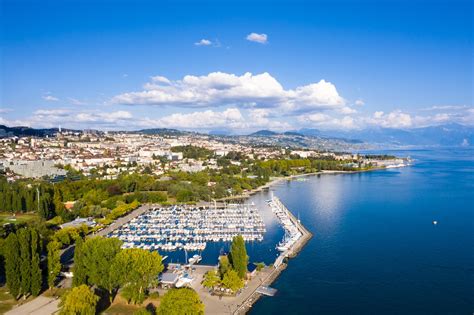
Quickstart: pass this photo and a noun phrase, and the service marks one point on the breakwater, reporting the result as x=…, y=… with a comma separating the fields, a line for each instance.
x=282, y=260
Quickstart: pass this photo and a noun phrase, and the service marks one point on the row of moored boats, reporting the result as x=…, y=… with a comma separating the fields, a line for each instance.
x=190, y=228
x=292, y=233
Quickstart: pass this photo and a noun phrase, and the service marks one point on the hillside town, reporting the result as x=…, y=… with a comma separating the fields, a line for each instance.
x=109, y=154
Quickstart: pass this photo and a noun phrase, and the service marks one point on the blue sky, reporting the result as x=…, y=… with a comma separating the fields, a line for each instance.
x=316, y=64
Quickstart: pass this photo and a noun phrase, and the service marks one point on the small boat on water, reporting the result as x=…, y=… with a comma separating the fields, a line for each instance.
x=195, y=259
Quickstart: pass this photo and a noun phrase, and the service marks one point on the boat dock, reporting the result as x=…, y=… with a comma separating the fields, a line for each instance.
x=292, y=232
x=266, y=290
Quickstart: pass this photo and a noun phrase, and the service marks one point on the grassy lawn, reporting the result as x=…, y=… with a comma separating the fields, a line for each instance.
x=18, y=218
x=120, y=306
x=6, y=300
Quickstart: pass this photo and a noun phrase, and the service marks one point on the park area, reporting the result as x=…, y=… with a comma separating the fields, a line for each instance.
x=16, y=218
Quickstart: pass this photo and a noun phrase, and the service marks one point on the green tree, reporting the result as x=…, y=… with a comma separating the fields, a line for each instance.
x=57, y=200
x=232, y=280
x=36, y=275
x=80, y=276
x=180, y=301
x=136, y=270
x=54, y=262
x=12, y=264
x=211, y=279
x=24, y=239
x=94, y=260
x=79, y=301
x=238, y=256
x=224, y=264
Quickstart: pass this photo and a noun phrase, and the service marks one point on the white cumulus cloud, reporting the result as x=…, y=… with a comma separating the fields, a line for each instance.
x=203, y=42
x=258, y=38
x=394, y=119
x=346, y=110
x=324, y=121
x=231, y=119
x=220, y=89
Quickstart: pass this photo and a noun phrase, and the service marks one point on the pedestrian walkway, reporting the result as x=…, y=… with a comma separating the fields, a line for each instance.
x=38, y=306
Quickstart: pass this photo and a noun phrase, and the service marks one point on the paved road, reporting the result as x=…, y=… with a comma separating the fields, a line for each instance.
x=121, y=221
x=39, y=306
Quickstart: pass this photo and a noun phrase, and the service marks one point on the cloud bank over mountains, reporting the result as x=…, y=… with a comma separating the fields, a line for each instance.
x=238, y=103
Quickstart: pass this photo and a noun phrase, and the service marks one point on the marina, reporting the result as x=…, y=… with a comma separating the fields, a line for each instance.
x=271, y=231
x=190, y=228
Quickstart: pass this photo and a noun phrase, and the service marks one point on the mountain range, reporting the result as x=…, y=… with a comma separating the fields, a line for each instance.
x=442, y=135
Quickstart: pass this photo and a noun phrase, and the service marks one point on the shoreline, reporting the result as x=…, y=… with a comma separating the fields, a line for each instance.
x=276, y=180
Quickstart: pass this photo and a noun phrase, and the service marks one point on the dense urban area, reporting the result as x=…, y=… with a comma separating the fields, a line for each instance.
x=60, y=196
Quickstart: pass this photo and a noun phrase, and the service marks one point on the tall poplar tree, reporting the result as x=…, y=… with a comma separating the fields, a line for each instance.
x=80, y=272
x=36, y=276
x=12, y=264
x=54, y=262
x=238, y=256
x=24, y=238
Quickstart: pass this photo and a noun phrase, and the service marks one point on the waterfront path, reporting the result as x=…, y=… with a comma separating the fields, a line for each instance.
x=39, y=306
x=226, y=304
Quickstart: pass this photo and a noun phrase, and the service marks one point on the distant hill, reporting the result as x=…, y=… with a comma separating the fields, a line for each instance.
x=22, y=131
x=293, y=133
x=263, y=133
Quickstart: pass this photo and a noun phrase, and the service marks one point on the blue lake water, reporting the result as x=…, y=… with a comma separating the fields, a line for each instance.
x=375, y=249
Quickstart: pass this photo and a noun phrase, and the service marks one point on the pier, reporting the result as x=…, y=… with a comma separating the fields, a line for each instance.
x=280, y=263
